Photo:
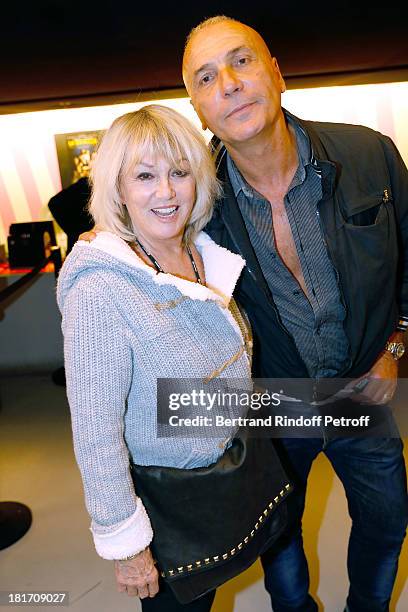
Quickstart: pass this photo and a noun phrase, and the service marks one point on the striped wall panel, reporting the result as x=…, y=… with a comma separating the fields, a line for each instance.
x=29, y=172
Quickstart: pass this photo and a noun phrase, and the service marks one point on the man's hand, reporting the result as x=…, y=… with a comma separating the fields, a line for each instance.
x=138, y=576
x=382, y=382
x=89, y=236
x=382, y=378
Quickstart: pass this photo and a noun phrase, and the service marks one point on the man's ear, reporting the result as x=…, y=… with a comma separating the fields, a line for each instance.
x=203, y=124
x=279, y=76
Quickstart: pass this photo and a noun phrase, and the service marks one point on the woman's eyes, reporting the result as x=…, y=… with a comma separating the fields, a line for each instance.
x=144, y=176
x=180, y=173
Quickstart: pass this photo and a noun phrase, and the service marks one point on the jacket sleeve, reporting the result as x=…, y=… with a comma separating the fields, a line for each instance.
x=399, y=186
x=98, y=364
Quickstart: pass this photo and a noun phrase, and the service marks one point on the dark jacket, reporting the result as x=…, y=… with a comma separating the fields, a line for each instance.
x=364, y=216
x=69, y=208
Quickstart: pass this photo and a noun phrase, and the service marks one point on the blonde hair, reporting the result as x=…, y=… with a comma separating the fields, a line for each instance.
x=153, y=131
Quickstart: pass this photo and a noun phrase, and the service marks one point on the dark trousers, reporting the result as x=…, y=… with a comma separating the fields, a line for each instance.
x=372, y=471
x=165, y=601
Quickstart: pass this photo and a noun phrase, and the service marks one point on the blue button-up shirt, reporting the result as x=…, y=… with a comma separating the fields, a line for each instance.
x=314, y=321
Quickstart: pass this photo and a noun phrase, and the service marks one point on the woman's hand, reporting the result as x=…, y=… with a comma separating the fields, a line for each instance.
x=138, y=576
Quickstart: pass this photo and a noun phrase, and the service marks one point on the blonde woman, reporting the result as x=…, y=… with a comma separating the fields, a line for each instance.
x=150, y=297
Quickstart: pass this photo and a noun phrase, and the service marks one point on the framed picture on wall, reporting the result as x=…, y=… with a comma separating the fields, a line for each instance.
x=75, y=152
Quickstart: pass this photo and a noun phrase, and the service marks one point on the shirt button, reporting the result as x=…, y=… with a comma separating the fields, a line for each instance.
x=296, y=292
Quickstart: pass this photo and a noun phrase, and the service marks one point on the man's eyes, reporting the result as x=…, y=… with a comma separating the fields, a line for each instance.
x=242, y=60
x=205, y=79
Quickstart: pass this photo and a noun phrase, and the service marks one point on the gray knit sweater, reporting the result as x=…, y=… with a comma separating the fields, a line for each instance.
x=125, y=326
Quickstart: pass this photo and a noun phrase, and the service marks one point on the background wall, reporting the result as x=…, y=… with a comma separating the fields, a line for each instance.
x=53, y=53
x=29, y=172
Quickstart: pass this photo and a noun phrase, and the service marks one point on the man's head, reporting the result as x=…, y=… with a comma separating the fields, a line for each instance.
x=234, y=84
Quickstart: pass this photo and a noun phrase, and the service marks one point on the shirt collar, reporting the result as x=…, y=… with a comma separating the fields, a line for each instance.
x=305, y=155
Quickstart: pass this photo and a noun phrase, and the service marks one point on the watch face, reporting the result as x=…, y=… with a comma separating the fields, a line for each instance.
x=400, y=350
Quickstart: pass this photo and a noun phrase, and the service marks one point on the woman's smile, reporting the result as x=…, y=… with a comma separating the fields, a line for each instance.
x=166, y=213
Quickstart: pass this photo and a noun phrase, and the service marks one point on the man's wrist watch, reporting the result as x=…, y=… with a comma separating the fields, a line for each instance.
x=397, y=349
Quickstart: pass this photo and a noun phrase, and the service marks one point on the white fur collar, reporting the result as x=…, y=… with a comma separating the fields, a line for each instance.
x=222, y=267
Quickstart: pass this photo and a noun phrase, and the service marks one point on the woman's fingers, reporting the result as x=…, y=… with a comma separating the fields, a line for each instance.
x=143, y=592
x=154, y=587
x=138, y=576
x=148, y=589
x=133, y=591
x=153, y=583
x=151, y=586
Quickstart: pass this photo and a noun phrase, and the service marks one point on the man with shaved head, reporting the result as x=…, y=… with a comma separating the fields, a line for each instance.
x=320, y=213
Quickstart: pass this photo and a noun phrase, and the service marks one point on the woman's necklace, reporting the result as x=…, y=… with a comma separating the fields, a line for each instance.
x=158, y=267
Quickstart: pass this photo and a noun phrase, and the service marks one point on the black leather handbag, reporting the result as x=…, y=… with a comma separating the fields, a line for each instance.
x=212, y=523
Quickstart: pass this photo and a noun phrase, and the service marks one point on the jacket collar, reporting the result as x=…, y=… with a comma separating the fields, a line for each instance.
x=222, y=267
x=318, y=155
